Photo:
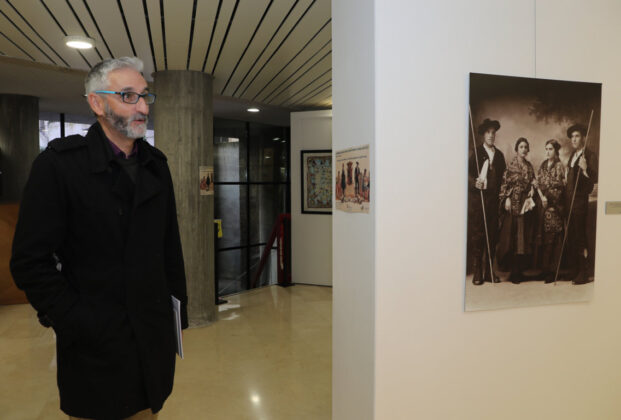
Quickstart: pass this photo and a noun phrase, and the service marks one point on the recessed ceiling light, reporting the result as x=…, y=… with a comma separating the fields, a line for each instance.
x=79, y=42
x=253, y=110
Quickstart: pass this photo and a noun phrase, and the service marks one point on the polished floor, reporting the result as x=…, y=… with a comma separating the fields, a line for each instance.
x=267, y=358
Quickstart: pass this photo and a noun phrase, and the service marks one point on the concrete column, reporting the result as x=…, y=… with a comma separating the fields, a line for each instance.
x=183, y=129
x=19, y=142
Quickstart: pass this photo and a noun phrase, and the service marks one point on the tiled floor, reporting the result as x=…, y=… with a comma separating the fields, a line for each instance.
x=267, y=358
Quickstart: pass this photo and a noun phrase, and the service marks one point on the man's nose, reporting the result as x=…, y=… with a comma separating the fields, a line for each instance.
x=141, y=106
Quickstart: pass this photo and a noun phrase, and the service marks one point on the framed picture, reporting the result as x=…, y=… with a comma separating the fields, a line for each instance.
x=353, y=180
x=316, y=166
x=207, y=186
x=532, y=191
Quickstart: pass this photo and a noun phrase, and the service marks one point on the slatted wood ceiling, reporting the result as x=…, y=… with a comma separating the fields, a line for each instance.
x=275, y=52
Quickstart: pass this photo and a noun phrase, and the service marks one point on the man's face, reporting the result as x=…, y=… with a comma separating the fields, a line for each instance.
x=576, y=139
x=489, y=136
x=128, y=119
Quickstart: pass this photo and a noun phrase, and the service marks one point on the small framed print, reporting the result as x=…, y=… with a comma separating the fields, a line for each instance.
x=316, y=181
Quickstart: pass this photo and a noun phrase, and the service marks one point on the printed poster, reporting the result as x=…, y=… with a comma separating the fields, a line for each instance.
x=207, y=186
x=353, y=180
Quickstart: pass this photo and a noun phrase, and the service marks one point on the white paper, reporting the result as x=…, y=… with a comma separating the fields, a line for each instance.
x=176, y=304
x=483, y=174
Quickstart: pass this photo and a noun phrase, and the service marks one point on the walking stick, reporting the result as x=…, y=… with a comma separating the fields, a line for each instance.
x=476, y=158
x=573, y=197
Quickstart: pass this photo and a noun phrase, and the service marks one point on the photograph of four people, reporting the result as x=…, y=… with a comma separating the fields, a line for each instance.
x=528, y=210
x=532, y=198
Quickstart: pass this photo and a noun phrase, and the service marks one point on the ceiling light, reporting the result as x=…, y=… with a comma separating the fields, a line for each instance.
x=79, y=42
x=253, y=110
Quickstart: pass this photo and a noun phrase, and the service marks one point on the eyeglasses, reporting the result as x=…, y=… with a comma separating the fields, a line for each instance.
x=132, y=97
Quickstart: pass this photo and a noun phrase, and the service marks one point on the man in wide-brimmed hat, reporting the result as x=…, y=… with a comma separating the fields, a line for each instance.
x=581, y=177
x=485, y=170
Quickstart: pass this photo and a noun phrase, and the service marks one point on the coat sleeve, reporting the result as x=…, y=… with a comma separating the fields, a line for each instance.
x=175, y=269
x=473, y=172
x=40, y=231
x=592, y=169
x=586, y=183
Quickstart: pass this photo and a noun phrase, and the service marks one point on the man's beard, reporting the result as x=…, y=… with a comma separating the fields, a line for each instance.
x=124, y=125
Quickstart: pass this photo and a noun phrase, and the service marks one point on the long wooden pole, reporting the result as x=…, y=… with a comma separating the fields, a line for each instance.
x=476, y=158
x=573, y=197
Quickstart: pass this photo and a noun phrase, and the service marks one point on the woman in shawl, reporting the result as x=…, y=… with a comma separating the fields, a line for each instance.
x=516, y=207
x=551, y=180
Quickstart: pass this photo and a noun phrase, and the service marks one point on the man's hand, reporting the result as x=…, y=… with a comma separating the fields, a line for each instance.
x=508, y=204
x=544, y=201
x=478, y=183
x=582, y=163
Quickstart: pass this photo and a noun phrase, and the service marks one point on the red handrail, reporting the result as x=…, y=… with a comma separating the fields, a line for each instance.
x=278, y=231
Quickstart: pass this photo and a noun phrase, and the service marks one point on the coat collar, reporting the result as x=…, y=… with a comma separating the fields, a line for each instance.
x=482, y=154
x=101, y=155
x=98, y=151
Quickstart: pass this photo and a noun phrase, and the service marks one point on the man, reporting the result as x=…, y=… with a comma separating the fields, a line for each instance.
x=581, y=178
x=485, y=169
x=97, y=251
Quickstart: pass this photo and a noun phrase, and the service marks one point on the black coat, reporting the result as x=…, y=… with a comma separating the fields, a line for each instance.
x=584, y=185
x=494, y=174
x=490, y=195
x=120, y=261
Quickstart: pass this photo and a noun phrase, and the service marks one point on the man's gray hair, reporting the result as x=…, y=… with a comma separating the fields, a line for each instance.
x=97, y=78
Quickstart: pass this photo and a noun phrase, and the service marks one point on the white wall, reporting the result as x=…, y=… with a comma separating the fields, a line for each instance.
x=311, y=234
x=433, y=360
x=353, y=124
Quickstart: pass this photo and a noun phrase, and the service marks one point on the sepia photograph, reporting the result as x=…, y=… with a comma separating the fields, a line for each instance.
x=532, y=191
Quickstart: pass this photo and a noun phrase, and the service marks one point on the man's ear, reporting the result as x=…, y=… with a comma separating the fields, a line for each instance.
x=96, y=103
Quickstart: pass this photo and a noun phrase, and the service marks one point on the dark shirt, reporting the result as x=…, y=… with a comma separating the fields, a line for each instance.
x=128, y=163
x=121, y=154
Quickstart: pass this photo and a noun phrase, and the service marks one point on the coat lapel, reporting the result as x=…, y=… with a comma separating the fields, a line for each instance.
x=148, y=183
x=148, y=186
x=99, y=155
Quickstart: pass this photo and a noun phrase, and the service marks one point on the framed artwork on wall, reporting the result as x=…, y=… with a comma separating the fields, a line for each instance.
x=207, y=185
x=353, y=180
x=316, y=188
x=532, y=191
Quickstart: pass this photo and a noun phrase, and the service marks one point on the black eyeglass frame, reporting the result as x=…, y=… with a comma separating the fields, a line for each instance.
x=149, y=98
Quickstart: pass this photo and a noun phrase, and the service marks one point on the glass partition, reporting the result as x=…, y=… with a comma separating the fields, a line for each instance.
x=251, y=163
